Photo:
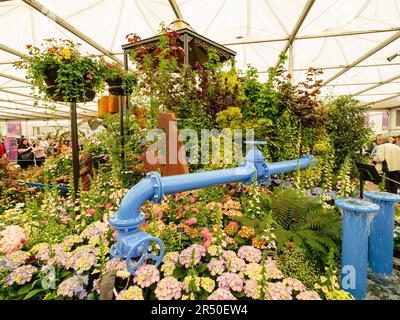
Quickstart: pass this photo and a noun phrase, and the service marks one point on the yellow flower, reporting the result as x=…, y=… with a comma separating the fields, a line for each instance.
x=66, y=52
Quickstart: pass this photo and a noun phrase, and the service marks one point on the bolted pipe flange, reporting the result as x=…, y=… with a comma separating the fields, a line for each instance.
x=158, y=186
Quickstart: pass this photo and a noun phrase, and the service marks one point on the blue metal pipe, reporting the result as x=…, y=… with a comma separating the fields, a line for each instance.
x=356, y=215
x=132, y=243
x=381, y=242
x=39, y=185
x=291, y=165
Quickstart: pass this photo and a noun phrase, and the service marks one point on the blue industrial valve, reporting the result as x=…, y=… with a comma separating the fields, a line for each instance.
x=137, y=246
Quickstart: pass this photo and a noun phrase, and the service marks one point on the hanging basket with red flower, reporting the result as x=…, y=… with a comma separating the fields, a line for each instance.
x=59, y=72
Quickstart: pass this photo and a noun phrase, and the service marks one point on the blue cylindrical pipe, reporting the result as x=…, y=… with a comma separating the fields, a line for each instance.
x=381, y=240
x=184, y=182
x=291, y=165
x=356, y=217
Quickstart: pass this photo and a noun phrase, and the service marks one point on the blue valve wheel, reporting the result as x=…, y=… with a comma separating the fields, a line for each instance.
x=141, y=250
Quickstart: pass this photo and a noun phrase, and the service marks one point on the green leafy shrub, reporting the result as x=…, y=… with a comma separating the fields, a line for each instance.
x=347, y=129
x=294, y=263
x=303, y=220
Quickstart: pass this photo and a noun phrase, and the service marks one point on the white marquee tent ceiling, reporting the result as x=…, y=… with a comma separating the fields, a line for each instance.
x=349, y=39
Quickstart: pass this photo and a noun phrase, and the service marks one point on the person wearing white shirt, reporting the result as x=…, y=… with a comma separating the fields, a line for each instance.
x=388, y=155
x=39, y=152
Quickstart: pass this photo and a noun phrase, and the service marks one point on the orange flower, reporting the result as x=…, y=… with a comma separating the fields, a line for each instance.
x=246, y=232
x=192, y=232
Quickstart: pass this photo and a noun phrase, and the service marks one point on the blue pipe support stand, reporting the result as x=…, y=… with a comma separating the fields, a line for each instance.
x=134, y=244
x=381, y=242
x=356, y=217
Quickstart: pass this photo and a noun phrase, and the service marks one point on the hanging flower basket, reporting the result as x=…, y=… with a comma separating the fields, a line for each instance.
x=120, y=82
x=115, y=86
x=61, y=73
x=55, y=96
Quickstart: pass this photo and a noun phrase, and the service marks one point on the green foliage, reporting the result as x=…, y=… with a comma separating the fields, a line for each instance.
x=294, y=263
x=343, y=179
x=347, y=128
x=304, y=221
x=286, y=137
x=135, y=147
x=230, y=118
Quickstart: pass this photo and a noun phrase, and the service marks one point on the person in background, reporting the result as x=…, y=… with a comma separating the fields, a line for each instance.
x=398, y=140
x=2, y=148
x=25, y=154
x=39, y=152
x=387, y=160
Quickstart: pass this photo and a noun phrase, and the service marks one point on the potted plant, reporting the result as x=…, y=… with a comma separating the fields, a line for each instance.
x=61, y=73
x=120, y=81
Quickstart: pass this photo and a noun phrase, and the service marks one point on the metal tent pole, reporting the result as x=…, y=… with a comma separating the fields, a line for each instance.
x=75, y=148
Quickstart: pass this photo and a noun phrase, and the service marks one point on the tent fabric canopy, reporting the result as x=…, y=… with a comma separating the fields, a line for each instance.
x=350, y=39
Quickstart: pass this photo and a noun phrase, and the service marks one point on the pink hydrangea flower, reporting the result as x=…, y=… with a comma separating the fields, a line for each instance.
x=194, y=252
x=146, y=275
x=250, y=254
x=294, y=284
x=12, y=239
x=251, y=289
x=230, y=240
x=191, y=222
x=229, y=280
x=308, y=295
x=195, y=210
x=168, y=288
x=221, y=294
x=278, y=291
x=216, y=266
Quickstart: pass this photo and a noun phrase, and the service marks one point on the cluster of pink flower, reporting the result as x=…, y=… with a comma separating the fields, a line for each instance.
x=250, y=254
x=232, y=262
x=21, y=275
x=207, y=235
x=221, y=294
x=13, y=260
x=216, y=266
x=12, y=238
x=190, y=222
x=271, y=270
x=73, y=287
x=146, y=275
x=132, y=293
x=95, y=230
x=191, y=255
x=294, y=284
x=168, y=288
x=251, y=289
x=308, y=295
x=115, y=263
x=82, y=259
x=230, y=280
x=277, y=291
